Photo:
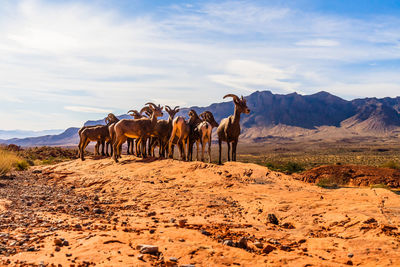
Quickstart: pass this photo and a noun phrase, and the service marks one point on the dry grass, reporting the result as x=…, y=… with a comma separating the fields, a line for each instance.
x=8, y=160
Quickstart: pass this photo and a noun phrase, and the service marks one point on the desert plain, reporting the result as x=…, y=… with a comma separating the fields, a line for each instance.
x=164, y=212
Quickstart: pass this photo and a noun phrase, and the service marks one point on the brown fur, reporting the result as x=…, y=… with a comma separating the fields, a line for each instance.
x=229, y=128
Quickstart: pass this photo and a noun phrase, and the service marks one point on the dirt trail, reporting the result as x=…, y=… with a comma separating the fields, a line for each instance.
x=195, y=213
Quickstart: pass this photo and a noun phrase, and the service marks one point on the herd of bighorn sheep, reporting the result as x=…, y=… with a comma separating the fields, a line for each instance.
x=145, y=132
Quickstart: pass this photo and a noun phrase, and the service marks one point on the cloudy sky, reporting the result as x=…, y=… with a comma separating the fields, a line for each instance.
x=64, y=62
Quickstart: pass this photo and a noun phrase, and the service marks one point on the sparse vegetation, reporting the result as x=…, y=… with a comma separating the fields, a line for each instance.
x=392, y=165
x=288, y=167
x=311, y=154
x=21, y=165
x=380, y=186
x=8, y=160
x=328, y=183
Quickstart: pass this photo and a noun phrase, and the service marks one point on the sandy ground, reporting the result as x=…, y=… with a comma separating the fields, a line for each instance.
x=98, y=212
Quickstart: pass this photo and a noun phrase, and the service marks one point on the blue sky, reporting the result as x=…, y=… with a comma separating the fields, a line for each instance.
x=64, y=62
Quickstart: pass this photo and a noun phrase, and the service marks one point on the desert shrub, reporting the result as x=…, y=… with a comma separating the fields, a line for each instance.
x=292, y=167
x=288, y=167
x=328, y=182
x=21, y=165
x=7, y=161
x=392, y=165
x=380, y=186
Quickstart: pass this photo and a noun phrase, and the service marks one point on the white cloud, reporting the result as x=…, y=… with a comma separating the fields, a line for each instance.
x=87, y=109
x=86, y=58
x=318, y=42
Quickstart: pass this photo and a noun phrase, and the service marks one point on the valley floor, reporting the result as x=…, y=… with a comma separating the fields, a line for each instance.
x=99, y=212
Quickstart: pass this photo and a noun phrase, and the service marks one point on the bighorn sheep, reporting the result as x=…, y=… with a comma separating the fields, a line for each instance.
x=194, y=121
x=205, y=131
x=97, y=133
x=131, y=141
x=163, y=131
x=112, y=121
x=100, y=142
x=181, y=130
x=229, y=128
x=140, y=128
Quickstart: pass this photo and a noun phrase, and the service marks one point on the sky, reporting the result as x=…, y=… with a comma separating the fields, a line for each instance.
x=65, y=62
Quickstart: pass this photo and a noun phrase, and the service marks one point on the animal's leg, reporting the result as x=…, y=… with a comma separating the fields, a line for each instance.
x=220, y=150
x=209, y=151
x=229, y=151
x=234, y=145
x=85, y=142
x=102, y=150
x=96, y=148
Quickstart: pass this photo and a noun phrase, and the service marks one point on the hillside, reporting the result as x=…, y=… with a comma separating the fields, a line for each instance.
x=99, y=212
x=321, y=115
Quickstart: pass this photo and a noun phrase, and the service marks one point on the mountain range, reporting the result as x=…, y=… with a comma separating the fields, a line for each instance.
x=291, y=115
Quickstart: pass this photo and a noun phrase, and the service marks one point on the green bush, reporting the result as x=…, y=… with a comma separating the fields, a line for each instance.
x=21, y=165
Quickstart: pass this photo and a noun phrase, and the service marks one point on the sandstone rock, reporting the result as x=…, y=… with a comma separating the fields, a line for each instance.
x=242, y=242
x=228, y=243
x=268, y=249
x=272, y=219
x=258, y=244
x=147, y=249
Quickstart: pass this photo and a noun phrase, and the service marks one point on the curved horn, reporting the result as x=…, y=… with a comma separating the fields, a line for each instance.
x=235, y=97
x=167, y=108
x=177, y=107
x=203, y=115
x=145, y=109
x=132, y=110
x=151, y=104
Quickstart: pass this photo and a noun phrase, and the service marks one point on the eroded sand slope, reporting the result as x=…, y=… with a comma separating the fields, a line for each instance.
x=206, y=215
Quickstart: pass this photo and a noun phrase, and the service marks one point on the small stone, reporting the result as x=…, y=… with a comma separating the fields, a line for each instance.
x=350, y=255
x=242, y=242
x=272, y=219
x=258, y=245
x=68, y=254
x=152, y=213
x=204, y=232
x=98, y=211
x=31, y=249
x=173, y=259
x=349, y=262
x=65, y=243
x=268, y=249
x=172, y=220
x=147, y=249
x=182, y=223
x=228, y=243
x=57, y=248
x=152, y=231
x=140, y=257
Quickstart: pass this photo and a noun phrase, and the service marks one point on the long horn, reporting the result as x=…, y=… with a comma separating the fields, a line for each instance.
x=235, y=97
x=167, y=108
x=132, y=110
x=177, y=107
x=152, y=104
x=145, y=109
x=203, y=115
